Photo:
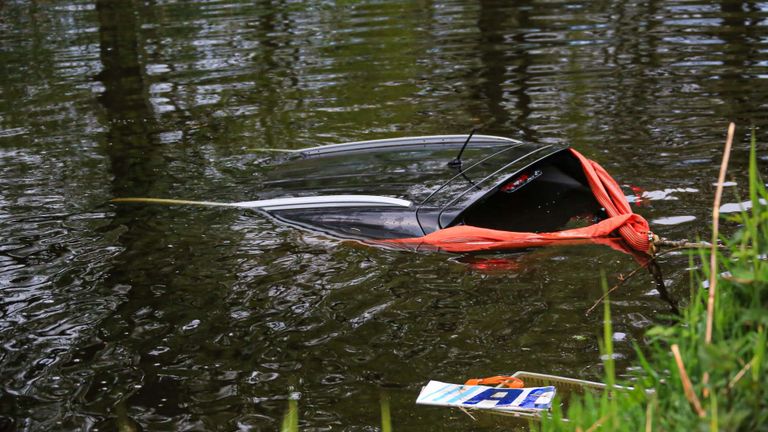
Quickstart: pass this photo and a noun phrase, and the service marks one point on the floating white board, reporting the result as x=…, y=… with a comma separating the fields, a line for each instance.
x=489, y=398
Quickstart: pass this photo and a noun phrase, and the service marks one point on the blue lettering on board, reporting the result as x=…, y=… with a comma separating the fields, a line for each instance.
x=502, y=396
x=530, y=400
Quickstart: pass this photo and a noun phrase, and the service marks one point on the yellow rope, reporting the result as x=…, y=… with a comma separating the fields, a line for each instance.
x=171, y=202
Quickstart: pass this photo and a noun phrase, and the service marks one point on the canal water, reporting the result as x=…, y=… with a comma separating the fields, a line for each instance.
x=181, y=318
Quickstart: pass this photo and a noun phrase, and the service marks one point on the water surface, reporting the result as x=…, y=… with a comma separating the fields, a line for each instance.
x=174, y=318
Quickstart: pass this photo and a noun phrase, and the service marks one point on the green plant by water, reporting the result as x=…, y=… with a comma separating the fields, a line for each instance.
x=726, y=386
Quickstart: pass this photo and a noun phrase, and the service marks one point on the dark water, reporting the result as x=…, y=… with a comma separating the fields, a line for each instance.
x=172, y=318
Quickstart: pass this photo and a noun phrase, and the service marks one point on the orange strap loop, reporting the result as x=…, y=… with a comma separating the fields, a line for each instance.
x=630, y=226
x=635, y=230
x=498, y=380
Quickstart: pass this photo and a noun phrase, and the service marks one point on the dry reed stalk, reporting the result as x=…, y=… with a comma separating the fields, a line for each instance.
x=738, y=376
x=649, y=416
x=713, y=250
x=716, y=233
x=598, y=423
x=624, y=279
x=684, y=244
x=467, y=413
x=690, y=394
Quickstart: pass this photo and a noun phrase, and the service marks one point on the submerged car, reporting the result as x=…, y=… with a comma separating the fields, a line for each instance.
x=451, y=192
x=410, y=187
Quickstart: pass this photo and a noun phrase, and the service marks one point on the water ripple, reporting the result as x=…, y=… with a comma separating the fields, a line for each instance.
x=178, y=318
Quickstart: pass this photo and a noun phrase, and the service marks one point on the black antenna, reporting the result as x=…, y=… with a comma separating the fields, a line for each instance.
x=457, y=162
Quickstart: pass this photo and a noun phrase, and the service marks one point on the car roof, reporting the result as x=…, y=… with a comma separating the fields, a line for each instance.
x=415, y=169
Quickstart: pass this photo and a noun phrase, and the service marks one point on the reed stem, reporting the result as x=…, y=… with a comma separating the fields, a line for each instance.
x=715, y=233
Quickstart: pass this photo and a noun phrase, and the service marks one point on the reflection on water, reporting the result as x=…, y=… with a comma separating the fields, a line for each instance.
x=178, y=318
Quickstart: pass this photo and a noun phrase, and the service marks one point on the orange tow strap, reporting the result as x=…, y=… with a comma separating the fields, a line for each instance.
x=630, y=226
x=502, y=380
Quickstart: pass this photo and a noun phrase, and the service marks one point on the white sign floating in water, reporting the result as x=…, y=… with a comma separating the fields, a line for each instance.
x=532, y=399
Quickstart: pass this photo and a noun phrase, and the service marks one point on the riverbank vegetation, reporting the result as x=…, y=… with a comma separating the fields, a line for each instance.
x=707, y=371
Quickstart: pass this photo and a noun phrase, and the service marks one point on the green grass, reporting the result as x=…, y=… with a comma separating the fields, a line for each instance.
x=727, y=375
x=291, y=417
